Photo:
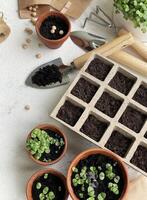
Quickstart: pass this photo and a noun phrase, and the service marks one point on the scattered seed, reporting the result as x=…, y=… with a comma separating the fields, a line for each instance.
x=27, y=107
x=34, y=9
x=36, y=6
x=30, y=8
x=33, y=14
x=28, y=40
x=29, y=31
x=33, y=20
x=24, y=46
x=61, y=32
x=38, y=55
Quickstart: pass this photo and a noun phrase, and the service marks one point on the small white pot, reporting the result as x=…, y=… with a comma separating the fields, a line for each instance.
x=128, y=25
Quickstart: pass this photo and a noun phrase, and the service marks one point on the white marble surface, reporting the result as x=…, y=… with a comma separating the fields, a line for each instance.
x=15, y=122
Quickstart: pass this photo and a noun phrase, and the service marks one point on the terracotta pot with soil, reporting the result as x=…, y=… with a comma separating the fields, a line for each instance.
x=47, y=184
x=97, y=174
x=53, y=29
x=46, y=144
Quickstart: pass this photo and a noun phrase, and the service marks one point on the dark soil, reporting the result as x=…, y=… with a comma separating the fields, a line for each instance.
x=140, y=158
x=99, y=68
x=46, y=27
x=108, y=104
x=55, y=151
x=122, y=83
x=100, y=160
x=84, y=90
x=119, y=144
x=53, y=182
x=133, y=119
x=141, y=95
x=47, y=75
x=70, y=113
x=94, y=128
x=145, y=135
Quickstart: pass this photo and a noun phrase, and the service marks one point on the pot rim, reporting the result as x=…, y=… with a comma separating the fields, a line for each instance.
x=93, y=151
x=43, y=16
x=40, y=173
x=54, y=128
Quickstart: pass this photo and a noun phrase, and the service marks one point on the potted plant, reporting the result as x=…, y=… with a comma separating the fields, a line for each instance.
x=97, y=174
x=47, y=184
x=132, y=15
x=46, y=144
x=53, y=28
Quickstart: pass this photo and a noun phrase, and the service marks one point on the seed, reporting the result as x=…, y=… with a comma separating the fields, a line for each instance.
x=33, y=20
x=33, y=14
x=36, y=6
x=24, y=46
x=61, y=32
x=52, y=31
x=29, y=31
x=27, y=107
x=34, y=9
x=30, y=8
x=28, y=40
x=38, y=55
x=54, y=27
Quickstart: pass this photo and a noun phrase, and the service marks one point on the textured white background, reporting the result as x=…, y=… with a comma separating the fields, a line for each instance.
x=15, y=122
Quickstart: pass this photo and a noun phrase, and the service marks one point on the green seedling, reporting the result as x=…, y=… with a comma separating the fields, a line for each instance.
x=101, y=196
x=40, y=142
x=134, y=10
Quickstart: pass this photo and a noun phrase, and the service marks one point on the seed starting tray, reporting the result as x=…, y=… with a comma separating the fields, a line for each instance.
x=105, y=113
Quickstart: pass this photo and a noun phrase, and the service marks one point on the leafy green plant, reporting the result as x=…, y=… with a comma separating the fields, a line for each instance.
x=134, y=10
x=45, y=193
x=88, y=178
x=40, y=142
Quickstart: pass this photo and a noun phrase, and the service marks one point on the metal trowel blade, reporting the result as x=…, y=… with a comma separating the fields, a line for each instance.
x=58, y=62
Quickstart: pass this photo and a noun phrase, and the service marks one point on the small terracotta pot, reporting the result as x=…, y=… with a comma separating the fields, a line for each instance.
x=40, y=173
x=87, y=153
x=58, y=131
x=53, y=44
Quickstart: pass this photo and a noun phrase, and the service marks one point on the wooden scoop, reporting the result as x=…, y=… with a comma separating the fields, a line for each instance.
x=4, y=29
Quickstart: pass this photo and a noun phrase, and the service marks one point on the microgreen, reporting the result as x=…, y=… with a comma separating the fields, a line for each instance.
x=40, y=142
x=135, y=10
x=101, y=196
x=38, y=185
x=88, y=179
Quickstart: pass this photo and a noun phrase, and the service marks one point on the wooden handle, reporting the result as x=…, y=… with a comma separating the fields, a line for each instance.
x=130, y=61
x=107, y=49
x=138, y=46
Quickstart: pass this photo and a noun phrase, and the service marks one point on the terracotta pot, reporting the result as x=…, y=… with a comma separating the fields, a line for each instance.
x=53, y=44
x=58, y=131
x=40, y=173
x=87, y=153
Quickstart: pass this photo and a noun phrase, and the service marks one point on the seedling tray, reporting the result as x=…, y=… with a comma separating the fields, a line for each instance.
x=106, y=104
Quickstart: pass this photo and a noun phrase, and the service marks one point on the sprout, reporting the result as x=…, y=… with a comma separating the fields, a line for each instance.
x=74, y=169
x=101, y=196
x=38, y=185
x=117, y=179
x=51, y=195
x=102, y=176
x=113, y=187
x=90, y=191
x=81, y=195
x=45, y=176
x=45, y=190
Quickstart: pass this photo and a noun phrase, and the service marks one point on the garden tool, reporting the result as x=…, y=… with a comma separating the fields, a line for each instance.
x=105, y=50
x=88, y=41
